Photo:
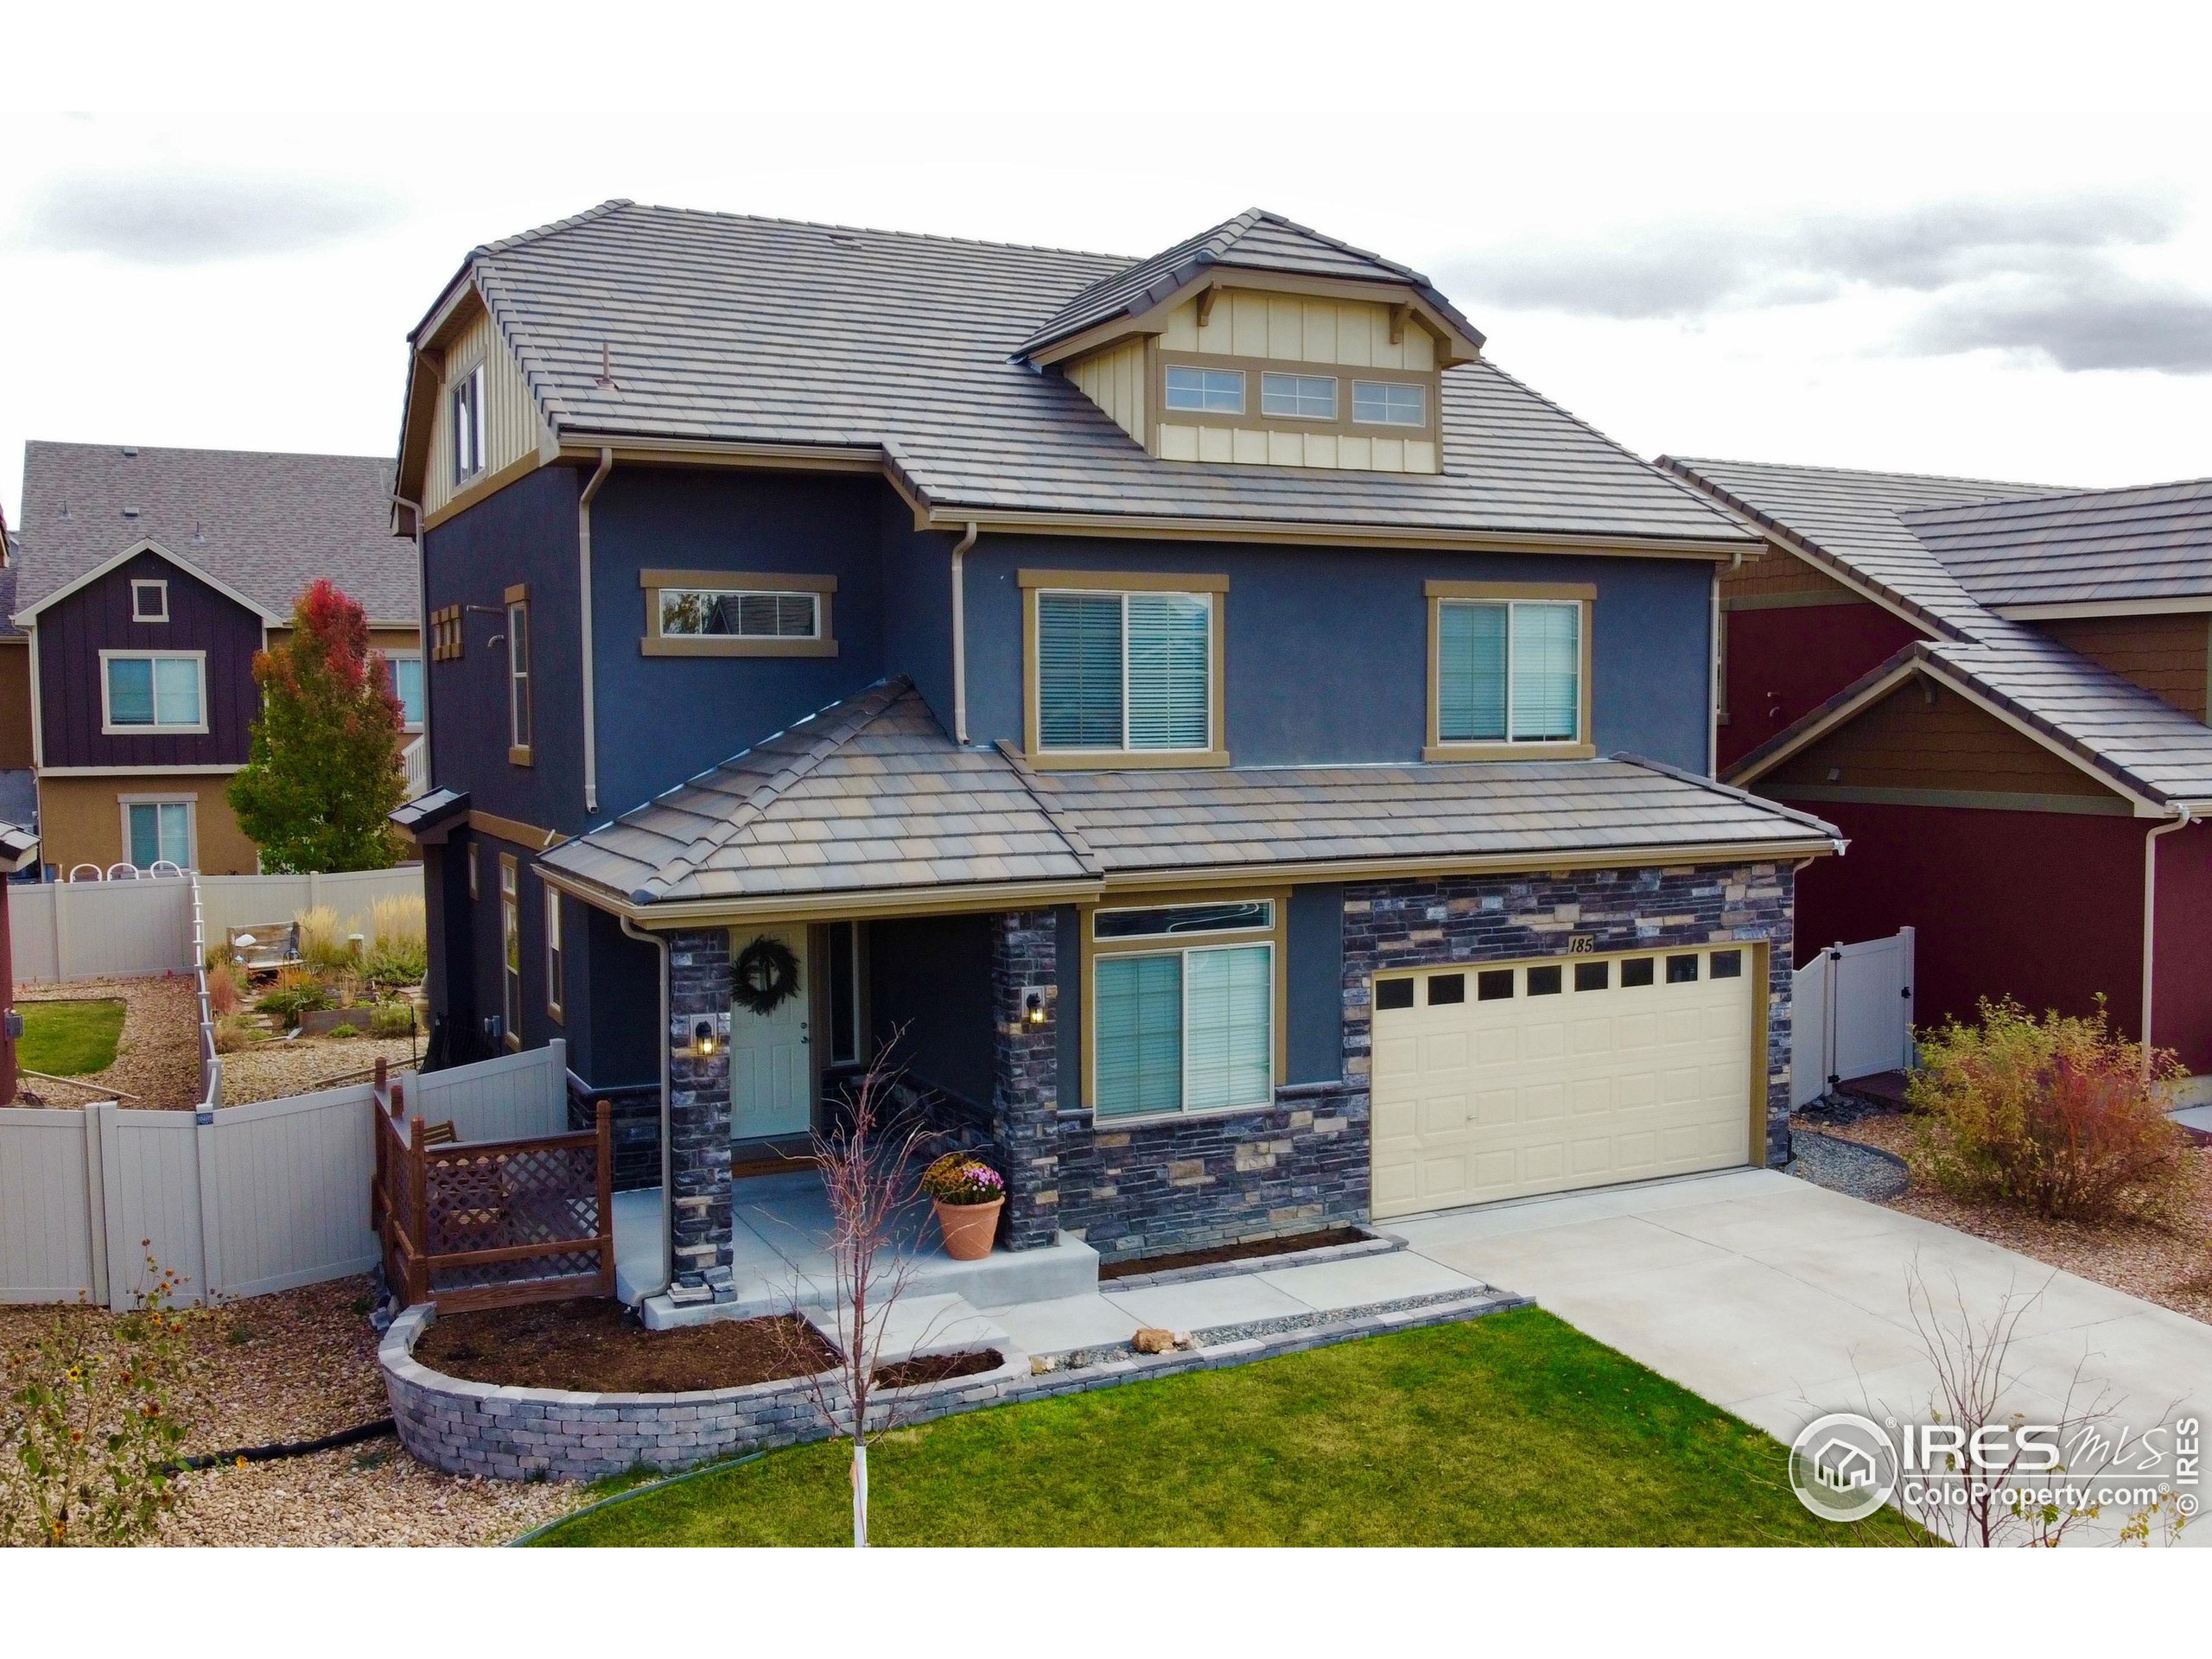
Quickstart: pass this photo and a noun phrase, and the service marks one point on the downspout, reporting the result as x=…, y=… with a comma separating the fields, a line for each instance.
x=583, y=608
x=960, y=635
x=667, y=1155
x=2150, y=914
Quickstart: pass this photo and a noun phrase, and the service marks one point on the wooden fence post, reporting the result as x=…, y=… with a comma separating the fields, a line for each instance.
x=606, y=1125
x=418, y=1269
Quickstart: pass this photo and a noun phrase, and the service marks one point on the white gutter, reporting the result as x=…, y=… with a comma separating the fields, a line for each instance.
x=960, y=635
x=667, y=1155
x=583, y=607
x=2150, y=912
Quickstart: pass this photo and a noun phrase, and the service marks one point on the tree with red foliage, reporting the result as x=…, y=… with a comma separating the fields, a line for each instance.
x=325, y=767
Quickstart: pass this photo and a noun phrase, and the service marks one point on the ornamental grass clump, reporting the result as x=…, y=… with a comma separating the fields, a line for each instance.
x=2058, y=1114
x=960, y=1178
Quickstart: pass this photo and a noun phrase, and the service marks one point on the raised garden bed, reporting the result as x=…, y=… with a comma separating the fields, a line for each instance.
x=937, y=1368
x=593, y=1346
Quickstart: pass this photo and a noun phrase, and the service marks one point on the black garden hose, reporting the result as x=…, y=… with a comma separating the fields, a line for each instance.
x=282, y=1449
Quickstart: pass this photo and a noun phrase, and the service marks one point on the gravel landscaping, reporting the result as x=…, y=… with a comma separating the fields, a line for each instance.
x=2170, y=1265
x=296, y=1366
x=157, y=1059
x=272, y=1070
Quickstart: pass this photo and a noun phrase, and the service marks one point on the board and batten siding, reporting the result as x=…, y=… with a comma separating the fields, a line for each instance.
x=511, y=426
x=73, y=634
x=1781, y=580
x=1115, y=380
x=1291, y=330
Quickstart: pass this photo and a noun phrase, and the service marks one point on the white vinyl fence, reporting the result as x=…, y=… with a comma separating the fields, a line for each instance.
x=124, y=928
x=1850, y=1016
x=239, y=1201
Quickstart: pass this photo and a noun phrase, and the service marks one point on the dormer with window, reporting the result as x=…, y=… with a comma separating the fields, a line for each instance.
x=1265, y=344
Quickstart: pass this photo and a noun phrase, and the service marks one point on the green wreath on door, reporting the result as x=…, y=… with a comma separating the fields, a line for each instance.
x=765, y=976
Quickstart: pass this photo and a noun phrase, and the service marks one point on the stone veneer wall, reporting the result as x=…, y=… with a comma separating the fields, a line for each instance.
x=1190, y=1183
x=698, y=1099
x=1491, y=919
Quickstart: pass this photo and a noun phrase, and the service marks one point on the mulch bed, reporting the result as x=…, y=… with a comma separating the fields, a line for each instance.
x=1245, y=1252
x=938, y=1367
x=594, y=1347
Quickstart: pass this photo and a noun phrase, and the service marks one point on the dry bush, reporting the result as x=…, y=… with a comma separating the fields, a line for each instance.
x=322, y=945
x=399, y=924
x=234, y=1032
x=224, y=993
x=2058, y=1114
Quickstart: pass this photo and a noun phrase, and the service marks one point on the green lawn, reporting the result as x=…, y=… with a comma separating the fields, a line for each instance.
x=67, y=1040
x=1514, y=1429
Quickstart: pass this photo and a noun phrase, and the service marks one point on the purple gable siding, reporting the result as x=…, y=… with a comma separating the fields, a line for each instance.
x=72, y=635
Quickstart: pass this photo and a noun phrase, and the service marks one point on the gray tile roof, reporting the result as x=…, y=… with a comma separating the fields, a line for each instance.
x=730, y=329
x=2098, y=546
x=265, y=525
x=1867, y=524
x=8, y=628
x=1254, y=240
x=870, y=795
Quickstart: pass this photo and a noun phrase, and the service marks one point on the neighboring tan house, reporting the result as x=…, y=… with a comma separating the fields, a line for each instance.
x=146, y=580
x=1999, y=693
x=1247, y=745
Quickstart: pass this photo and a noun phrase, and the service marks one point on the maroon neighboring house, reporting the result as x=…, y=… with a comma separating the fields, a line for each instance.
x=1999, y=693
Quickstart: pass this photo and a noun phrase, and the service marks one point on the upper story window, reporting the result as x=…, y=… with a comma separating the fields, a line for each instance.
x=407, y=686
x=1126, y=667
x=1388, y=402
x=154, y=691
x=1509, y=670
x=519, y=743
x=149, y=599
x=1299, y=396
x=1218, y=392
x=737, y=614
x=468, y=425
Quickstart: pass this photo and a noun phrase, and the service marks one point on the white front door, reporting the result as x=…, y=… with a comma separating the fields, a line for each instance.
x=771, y=1073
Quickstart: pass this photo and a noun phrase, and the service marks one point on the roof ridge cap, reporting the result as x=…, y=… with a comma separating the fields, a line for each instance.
x=2052, y=497
x=1868, y=471
x=1077, y=842
x=860, y=708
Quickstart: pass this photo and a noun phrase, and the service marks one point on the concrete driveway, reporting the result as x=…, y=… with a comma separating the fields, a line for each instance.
x=1782, y=1300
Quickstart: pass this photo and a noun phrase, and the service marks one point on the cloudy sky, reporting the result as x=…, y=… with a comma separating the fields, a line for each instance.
x=1918, y=274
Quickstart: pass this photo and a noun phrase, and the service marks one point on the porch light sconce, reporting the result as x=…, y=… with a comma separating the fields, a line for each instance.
x=1032, y=1009
x=703, y=1038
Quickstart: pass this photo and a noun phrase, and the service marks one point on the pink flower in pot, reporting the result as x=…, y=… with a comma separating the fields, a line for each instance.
x=967, y=1194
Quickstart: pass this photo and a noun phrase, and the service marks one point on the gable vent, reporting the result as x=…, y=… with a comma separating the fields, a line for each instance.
x=131, y=512
x=131, y=454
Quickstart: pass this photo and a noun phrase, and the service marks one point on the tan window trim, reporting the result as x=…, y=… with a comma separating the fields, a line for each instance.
x=510, y=894
x=1277, y=936
x=1215, y=586
x=653, y=643
x=521, y=754
x=555, y=949
x=1435, y=749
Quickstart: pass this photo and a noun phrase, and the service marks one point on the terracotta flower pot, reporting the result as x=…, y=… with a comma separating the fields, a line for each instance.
x=968, y=1229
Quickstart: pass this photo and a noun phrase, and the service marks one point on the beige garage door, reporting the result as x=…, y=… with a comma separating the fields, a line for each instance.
x=1498, y=1080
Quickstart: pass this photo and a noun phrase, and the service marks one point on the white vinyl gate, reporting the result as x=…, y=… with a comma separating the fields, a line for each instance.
x=1851, y=1012
x=241, y=1201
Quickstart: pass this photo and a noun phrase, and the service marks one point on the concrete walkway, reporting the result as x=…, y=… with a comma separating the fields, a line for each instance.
x=1781, y=1300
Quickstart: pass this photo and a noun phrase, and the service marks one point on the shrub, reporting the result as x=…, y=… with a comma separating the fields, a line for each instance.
x=391, y=966
x=322, y=945
x=392, y=1019
x=224, y=995
x=959, y=1177
x=88, y=1425
x=343, y=1031
x=233, y=1033
x=2058, y=1114
x=296, y=992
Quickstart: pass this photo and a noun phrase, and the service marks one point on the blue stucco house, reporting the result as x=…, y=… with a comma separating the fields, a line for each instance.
x=1251, y=753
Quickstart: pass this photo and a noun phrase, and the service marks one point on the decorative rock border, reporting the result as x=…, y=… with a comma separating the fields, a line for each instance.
x=1851, y=1167
x=515, y=1433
